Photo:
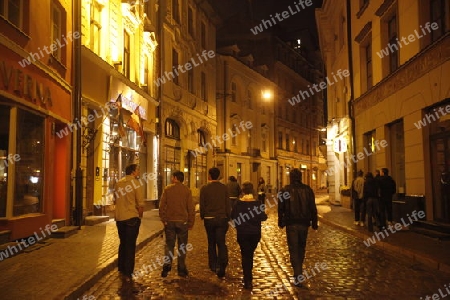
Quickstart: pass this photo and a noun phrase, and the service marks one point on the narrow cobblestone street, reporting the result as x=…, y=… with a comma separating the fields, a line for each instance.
x=353, y=271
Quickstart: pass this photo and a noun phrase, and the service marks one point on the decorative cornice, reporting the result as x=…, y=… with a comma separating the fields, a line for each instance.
x=383, y=7
x=416, y=67
x=362, y=34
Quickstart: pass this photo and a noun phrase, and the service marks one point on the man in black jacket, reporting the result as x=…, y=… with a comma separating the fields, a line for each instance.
x=215, y=210
x=297, y=212
x=387, y=190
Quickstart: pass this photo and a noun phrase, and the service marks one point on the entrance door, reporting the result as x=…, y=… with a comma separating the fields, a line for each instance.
x=440, y=164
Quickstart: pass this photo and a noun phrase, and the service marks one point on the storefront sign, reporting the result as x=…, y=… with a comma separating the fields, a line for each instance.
x=24, y=85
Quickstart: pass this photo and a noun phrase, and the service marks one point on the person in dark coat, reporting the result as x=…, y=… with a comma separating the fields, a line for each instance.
x=234, y=190
x=387, y=190
x=371, y=199
x=246, y=216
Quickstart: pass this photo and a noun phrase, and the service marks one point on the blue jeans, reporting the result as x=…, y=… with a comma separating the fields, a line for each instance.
x=128, y=231
x=296, y=238
x=216, y=230
x=175, y=230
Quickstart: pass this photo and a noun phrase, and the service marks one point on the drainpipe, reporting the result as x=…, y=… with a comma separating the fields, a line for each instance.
x=159, y=115
x=351, y=112
x=76, y=98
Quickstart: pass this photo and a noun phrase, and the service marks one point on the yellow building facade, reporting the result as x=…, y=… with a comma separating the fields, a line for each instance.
x=187, y=90
x=118, y=68
x=245, y=106
x=399, y=60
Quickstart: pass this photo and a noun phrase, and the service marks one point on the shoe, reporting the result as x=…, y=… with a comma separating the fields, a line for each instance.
x=356, y=222
x=221, y=273
x=248, y=285
x=165, y=271
x=298, y=284
x=390, y=223
x=183, y=273
x=361, y=223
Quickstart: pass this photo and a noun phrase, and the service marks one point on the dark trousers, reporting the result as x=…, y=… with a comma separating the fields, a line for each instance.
x=360, y=209
x=248, y=244
x=176, y=231
x=372, y=212
x=128, y=231
x=216, y=230
x=296, y=238
x=386, y=209
x=262, y=198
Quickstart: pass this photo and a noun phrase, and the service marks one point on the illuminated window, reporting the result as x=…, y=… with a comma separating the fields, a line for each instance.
x=96, y=26
x=172, y=129
x=126, y=54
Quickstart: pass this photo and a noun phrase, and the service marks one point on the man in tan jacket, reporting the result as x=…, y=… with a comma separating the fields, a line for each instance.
x=129, y=201
x=176, y=211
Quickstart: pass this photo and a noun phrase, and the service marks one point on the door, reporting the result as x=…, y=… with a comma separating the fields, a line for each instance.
x=440, y=168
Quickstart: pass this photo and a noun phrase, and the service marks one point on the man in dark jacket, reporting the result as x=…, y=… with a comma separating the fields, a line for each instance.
x=371, y=198
x=297, y=212
x=234, y=190
x=215, y=210
x=387, y=190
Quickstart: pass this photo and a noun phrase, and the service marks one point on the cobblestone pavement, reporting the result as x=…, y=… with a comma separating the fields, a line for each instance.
x=353, y=271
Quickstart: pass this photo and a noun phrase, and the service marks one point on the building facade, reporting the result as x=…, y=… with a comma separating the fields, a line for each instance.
x=187, y=90
x=332, y=26
x=119, y=98
x=35, y=102
x=245, y=119
x=400, y=61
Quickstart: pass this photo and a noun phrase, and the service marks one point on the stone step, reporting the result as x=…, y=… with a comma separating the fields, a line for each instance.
x=4, y=236
x=93, y=220
x=431, y=233
x=64, y=232
x=59, y=222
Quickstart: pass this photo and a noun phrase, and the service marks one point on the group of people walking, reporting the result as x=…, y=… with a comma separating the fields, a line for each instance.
x=372, y=196
x=220, y=206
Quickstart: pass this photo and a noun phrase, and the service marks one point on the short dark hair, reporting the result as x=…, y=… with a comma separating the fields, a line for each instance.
x=360, y=173
x=385, y=171
x=369, y=175
x=214, y=173
x=295, y=175
x=247, y=188
x=179, y=175
x=232, y=178
x=130, y=169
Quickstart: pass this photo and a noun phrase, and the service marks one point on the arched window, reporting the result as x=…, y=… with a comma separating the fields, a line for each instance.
x=172, y=129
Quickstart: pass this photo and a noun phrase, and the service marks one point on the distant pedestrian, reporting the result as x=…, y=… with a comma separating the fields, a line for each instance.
x=177, y=213
x=387, y=190
x=297, y=212
x=359, y=204
x=262, y=190
x=372, y=201
x=215, y=210
x=234, y=190
x=250, y=213
x=129, y=201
